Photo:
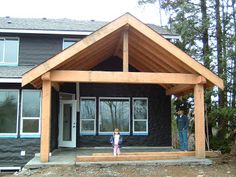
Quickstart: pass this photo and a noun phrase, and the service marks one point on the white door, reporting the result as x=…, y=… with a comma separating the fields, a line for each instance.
x=67, y=124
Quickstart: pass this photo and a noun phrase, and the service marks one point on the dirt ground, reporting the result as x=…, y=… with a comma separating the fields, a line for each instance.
x=222, y=167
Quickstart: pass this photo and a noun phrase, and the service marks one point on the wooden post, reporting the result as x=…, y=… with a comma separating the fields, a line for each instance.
x=125, y=51
x=46, y=120
x=199, y=121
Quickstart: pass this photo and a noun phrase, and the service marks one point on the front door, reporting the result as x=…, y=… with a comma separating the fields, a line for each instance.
x=67, y=124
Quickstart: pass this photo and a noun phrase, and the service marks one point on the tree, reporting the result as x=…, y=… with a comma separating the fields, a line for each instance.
x=208, y=33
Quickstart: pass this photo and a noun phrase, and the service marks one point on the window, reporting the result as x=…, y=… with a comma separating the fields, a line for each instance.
x=114, y=113
x=8, y=112
x=67, y=42
x=9, y=51
x=30, y=112
x=87, y=116
x=140, y=115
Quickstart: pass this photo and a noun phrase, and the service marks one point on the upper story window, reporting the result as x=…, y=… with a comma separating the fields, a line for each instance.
x=9, y=49
x=67, y=42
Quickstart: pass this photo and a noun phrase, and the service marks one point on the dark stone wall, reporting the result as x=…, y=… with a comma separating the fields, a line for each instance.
x=159, y=112
x=10, y=149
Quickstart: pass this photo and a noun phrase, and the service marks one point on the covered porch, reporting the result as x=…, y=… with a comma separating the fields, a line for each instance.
x=154, y=59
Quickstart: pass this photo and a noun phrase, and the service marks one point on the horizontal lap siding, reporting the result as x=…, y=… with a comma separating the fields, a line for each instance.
x=37, y=49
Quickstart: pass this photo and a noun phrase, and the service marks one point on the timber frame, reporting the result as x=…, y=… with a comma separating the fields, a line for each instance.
x=158, y=60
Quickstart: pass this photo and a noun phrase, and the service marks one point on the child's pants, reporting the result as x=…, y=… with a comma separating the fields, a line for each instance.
x=116, y=149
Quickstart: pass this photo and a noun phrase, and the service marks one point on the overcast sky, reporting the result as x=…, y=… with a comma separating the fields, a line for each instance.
x=103, y=10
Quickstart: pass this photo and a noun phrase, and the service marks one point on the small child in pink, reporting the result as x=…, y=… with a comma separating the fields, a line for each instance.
x=116, y=141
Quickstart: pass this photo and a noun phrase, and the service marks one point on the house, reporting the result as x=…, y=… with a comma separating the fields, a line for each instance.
x=67, y=83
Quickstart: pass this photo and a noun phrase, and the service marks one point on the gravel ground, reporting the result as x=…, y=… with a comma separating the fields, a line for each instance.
x=223, y=167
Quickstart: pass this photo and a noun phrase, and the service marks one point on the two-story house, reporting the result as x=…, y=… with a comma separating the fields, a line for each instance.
x=69, y=83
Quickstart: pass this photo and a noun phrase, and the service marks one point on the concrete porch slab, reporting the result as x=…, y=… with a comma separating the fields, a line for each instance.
x=67, y=157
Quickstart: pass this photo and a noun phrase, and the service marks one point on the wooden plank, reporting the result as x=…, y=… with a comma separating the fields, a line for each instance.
x=177, y=154
x=126, y=51
x=71, y=51
x=166, y=154
x=123, y=77
x=122, y=158
x=46, y=121
x=172, y=49
x=199, y=121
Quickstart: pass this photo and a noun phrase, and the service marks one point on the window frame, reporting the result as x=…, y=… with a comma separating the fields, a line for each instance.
x=137, y=120
x=30, y=134
x=94, y=120
x=72, y=39
x=99, y=115
x=12, y=135
x=3, y=63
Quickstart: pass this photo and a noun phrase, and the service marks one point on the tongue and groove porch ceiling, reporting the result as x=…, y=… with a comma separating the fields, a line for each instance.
x=147, y=51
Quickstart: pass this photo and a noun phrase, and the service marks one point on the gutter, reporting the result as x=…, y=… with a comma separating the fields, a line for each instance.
x=62, y=32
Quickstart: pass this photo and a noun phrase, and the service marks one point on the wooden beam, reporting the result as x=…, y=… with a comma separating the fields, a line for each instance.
x=178, y=88
x=46, y=76
x=199, y=121
x=123, y=77
x=126, y=50
x=46, y=121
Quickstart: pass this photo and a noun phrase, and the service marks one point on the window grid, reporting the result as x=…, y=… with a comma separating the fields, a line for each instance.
x=25, y=134
x=2, y=60
x=113, y=98
x=82, y=132
x=140, y=120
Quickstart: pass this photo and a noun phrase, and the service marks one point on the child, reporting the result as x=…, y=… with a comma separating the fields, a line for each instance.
x=116, y=141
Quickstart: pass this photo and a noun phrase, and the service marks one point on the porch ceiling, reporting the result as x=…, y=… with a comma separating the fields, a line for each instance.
x=148, y=52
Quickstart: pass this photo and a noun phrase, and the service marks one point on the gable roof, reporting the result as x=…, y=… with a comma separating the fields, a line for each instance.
x=63, y=25
x=148, y=52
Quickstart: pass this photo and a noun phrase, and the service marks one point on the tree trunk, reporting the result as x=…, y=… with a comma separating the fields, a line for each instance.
x=234, y=56
x=220, y=68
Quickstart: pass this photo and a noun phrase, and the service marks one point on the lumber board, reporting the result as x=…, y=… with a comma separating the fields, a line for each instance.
x=122, y=158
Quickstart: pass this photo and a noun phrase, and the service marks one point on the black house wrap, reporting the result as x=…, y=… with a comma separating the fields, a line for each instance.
x=159, y=113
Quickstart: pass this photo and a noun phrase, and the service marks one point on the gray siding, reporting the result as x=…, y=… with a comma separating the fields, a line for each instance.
x=36, y=49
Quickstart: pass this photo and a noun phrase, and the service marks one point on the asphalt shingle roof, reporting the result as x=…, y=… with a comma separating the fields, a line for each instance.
x=13, y=71
x=62, y=25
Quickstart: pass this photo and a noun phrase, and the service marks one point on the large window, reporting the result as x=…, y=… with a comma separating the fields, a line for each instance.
x=87, y=116
x=31, y=112
x=9, y=48
x=8, y=112
x=140, y=115
x=114, y=113
x=67, y=42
